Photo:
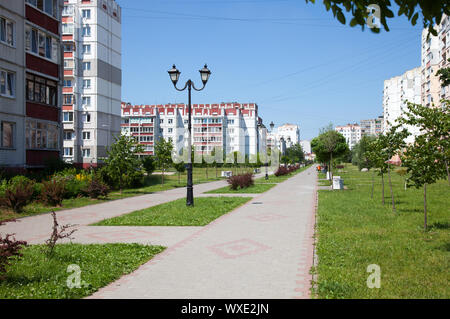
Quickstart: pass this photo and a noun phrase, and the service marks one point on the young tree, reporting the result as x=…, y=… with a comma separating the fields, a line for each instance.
x=180, y=168
x=163, y=153
x=149, y=164
x=360, y=152
x=377, y=161
x=327, y=145
x=295, y=154
x=420, y=160
x=434, y=125
x=122, y=163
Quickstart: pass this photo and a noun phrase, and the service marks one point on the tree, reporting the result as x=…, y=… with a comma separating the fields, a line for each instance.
x=360, y=152
x=295, y=154
x=392, y=143
x=420, y=160
x=180, y=168
x=430, y=11
x=434, y=125
x=122, y=164
x=163, y=153
x=444, y=76
x=377, y=161
x=328, y=144
x=149, y=164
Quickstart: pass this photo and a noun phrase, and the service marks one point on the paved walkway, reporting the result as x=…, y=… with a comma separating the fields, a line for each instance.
x=264, y=249
x=37, y=229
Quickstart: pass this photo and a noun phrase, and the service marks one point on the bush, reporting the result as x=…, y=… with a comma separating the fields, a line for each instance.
x=240, y=181
x=18, y=193
x=9, y=250
x=74, y=188
x=149, y=164
x=281, y=171
x=53, y=191
x=96, y=188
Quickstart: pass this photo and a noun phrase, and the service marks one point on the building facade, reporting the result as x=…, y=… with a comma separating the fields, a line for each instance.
x=91, y=33
x=30, y=76
x=232, y=127
x=397, y=91
x=351, y=132
x=372, y=127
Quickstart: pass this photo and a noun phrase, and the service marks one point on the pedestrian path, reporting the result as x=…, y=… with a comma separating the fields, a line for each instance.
x=37, y=229
x=263, y=249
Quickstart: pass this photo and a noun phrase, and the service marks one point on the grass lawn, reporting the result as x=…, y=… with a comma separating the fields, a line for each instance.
x=355, y=231
x=278, y=179
x=152, y=184
x=34, y=276
x=176, y=213
x=254, y=189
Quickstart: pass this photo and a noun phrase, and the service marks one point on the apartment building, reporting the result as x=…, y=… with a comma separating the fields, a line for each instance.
x=372, y=127
x=290, y=134
x=397, y=91
x=30, y=75
x=229, y=126
x=444, y=51
x=351, y=132
x=91, y=34
x=430, y=64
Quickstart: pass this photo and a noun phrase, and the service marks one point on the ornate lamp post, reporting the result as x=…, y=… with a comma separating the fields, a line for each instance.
x=174, y=76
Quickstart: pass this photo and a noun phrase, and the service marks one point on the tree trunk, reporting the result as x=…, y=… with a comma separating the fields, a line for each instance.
x=382, y=188
x=162, y=176
x=392, y=192
x=448, y=174
x=425, y=205
x=179, y=177
x=331, y=167
x=206, y=172
x=216, y=171
x=373, y=183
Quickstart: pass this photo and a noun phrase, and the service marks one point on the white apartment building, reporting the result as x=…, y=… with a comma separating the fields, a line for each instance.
x=306, y=146
x=372, y=127
x=233, y=127
x=351, y=132
x=397, y=91
x=290, y=134
x=92, y=79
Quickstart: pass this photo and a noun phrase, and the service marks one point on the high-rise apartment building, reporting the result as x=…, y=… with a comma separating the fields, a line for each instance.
x=351, y=132
x=397, y=91
x=372, y=127
x=91, y=33
x=30, y=75
x=289, y=132
x=229, y=126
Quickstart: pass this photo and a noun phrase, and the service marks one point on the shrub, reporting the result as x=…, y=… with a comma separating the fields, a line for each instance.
x=53, y=191
x=18, y=193
x=9, y=250
x=96, y=188
x=74, y=188
x=240, y=181
x=149, y=164
x=58, y=233
x=281, y=171
x=3, y=186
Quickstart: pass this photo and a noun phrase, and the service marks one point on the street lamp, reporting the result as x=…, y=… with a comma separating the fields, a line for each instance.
x=174, y=76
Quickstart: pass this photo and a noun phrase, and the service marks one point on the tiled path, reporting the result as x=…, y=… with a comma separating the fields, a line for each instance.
x=263, y=249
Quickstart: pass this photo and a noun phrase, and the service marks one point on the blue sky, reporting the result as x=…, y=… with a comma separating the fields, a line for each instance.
x=293, y=59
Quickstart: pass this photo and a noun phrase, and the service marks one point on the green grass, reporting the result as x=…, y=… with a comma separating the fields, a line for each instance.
x=152, y=184
x=254, y=189
x=279, y=179
x=34, y=276
x=355, y=231
x=176, y=213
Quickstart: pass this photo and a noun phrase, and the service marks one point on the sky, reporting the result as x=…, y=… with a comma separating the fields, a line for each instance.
x=294, y=59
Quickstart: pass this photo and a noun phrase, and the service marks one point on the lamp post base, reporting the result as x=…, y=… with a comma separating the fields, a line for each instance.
x=190, y=188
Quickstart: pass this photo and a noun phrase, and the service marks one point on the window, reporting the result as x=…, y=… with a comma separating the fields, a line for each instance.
x=41, y=135
x=7, y=135
x=86, y=100
x=87, y=119
x=86, y=31
x=86, y=152
x=86, y=13
x=67, y=28
x=68, y=99
x=69, y=64
x=67, y=10
x=86, y=135
x=86, y=66
x=68, y=151
x=86, y=84
x=86, y=49
x=170, y=121
x=68, y=47
x=6, y=31
x=7, y=83
x=161, y=121
x=67, y=83
x=68, y=135
x=41, y=43
x=67, y=116
x=48, y=6
x=170, y=130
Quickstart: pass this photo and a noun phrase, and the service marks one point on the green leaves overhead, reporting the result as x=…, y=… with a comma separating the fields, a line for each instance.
x=430, y=11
